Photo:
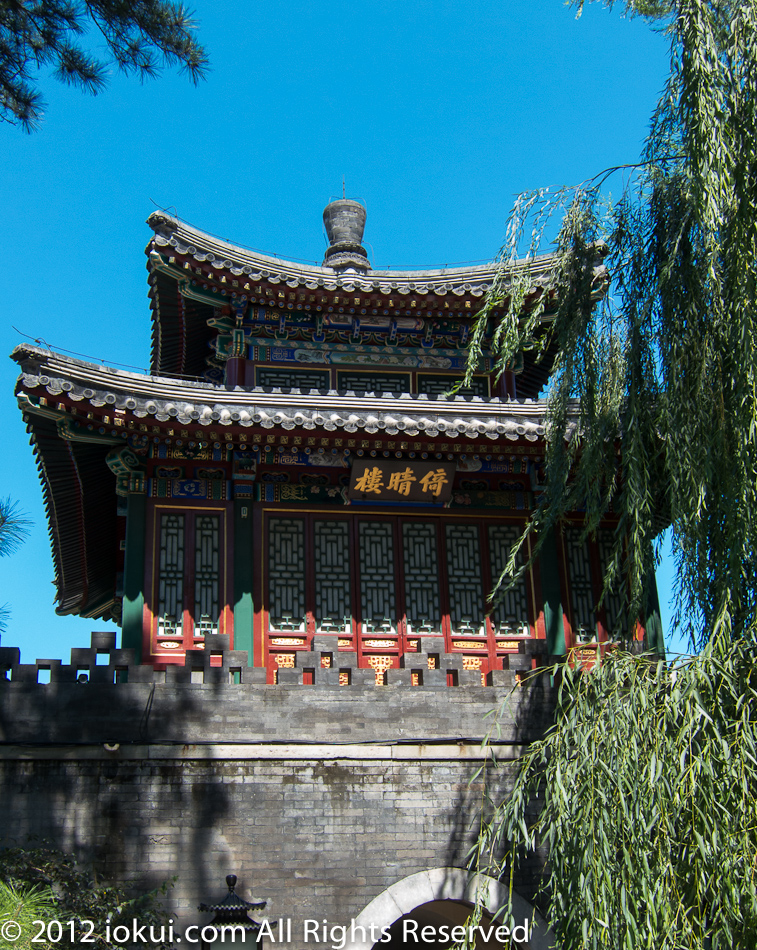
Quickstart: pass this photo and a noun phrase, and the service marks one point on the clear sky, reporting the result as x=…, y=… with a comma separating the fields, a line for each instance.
x=436, y=112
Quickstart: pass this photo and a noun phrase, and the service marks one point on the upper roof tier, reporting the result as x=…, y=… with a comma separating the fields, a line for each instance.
x=202, y=287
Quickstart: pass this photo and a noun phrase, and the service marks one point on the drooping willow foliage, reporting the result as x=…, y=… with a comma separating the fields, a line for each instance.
x=654, y=396
x=643, y=791
x=645, y=798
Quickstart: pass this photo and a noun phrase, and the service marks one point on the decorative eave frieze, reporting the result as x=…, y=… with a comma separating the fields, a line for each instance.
x=199, y=404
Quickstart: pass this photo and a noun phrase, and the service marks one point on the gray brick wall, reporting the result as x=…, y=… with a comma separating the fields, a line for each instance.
x=317, y=797
x=316, y=838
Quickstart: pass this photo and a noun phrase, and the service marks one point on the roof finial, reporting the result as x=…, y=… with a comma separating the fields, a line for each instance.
x=345, y=221
x=344, y=191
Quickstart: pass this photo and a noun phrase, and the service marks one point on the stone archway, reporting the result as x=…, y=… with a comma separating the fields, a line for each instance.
x=441, y=894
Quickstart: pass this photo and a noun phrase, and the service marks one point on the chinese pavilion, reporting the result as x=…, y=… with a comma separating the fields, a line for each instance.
x=296, y=465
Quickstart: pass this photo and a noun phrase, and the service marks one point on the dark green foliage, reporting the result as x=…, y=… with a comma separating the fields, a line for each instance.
x=78, y=896
x=39, y=34
x=644, y=790
x=654, y=398
x=14, y=526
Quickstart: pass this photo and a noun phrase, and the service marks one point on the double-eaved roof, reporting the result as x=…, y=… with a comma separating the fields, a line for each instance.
x=203, y=291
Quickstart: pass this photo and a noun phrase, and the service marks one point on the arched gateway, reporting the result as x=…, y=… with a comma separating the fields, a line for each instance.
x=441, y=899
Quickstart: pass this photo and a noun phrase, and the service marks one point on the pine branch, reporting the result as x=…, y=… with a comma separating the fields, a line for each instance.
x=139, y=36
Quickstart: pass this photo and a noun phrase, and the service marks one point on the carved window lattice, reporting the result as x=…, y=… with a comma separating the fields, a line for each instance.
x=377, y=598
x=374, y=382
x=292, y=378
x=207, y=574
x=332, y=576
x=615, y=600
x=419, y=546
x=464, y=577
x=582, y=598
x=436, y=385
x=511, y=613
x=286, y=574
x=171, y=575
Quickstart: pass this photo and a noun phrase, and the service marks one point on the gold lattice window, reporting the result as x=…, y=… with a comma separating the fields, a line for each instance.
x=379, y=665
x=332, y=575
x=286, y=574
x=377, y=595
x=510, y=614
x=582, y=597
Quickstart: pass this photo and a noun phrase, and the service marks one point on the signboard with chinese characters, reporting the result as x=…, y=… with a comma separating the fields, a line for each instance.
x=407, y=481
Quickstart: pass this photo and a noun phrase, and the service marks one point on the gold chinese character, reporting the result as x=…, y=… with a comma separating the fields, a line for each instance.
x=400, y=481
x=370, y=481
x=434, y=481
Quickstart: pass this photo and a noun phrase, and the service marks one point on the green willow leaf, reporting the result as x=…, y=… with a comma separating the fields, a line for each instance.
x=653, y=400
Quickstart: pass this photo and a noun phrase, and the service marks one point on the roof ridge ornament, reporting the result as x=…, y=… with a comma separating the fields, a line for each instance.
x=344, y=220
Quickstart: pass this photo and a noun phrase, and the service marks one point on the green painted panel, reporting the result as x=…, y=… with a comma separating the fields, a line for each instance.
x=653, y=625
x=243, y=565
x=550, y=588
x=134, y=573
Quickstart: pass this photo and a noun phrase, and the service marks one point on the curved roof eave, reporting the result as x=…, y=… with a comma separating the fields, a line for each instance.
x=201, y=404
x=474, y=279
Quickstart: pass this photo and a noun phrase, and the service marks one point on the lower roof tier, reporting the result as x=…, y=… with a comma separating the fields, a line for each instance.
x=100, y=433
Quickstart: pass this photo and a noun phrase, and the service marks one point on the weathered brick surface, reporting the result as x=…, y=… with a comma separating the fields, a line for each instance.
x=135, y=712
x=317, y=839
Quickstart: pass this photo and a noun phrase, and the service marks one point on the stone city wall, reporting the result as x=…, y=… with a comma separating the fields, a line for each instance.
x=318, y=797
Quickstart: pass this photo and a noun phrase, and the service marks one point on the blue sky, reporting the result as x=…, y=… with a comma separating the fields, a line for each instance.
x=437, y=113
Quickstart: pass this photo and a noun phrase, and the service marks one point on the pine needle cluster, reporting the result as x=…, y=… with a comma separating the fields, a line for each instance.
x=137, y=36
